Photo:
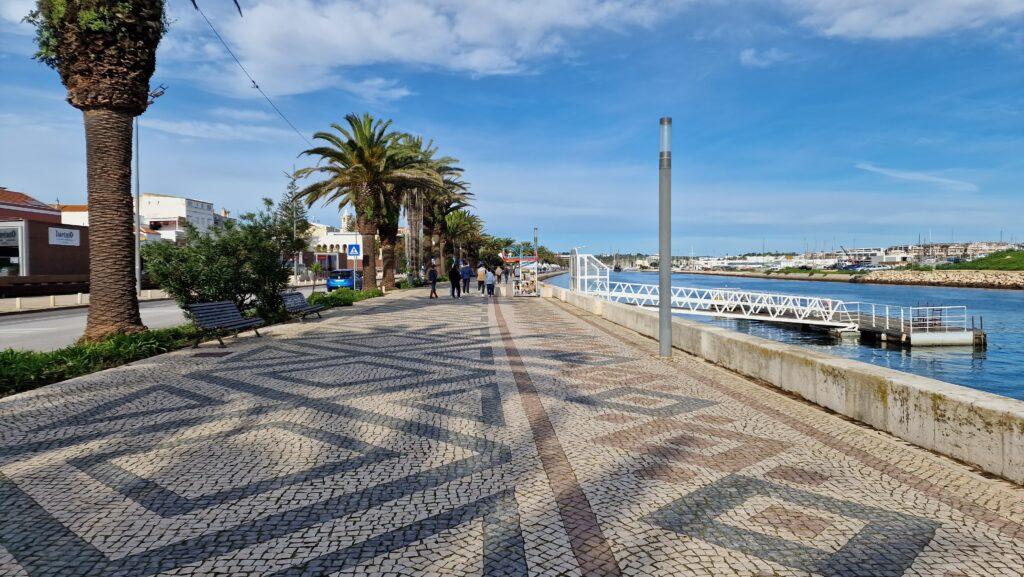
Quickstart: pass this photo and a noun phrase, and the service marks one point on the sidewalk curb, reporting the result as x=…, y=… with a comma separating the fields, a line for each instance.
x=85, y=306
x=65, y=308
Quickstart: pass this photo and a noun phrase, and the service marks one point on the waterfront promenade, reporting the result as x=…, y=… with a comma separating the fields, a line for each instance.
x=404, y=436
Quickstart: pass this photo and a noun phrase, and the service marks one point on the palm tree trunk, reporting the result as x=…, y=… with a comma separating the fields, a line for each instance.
x=368, y=230
x=428, y=240
x=388, y=242
x=113, y=303
x=415, y=218
x=387, y=247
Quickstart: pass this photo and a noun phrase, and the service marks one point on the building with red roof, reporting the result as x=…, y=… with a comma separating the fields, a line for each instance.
x=15, y=204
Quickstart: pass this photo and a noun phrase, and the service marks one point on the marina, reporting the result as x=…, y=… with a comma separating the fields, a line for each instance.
x=997, y=368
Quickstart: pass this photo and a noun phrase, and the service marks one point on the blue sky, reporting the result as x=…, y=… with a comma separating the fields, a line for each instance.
x=796, y=121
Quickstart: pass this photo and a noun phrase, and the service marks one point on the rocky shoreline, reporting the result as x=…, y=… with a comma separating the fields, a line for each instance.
x=995, y=279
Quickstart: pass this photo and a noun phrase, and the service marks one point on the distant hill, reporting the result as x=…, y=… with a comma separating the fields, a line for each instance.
x=1002, y=260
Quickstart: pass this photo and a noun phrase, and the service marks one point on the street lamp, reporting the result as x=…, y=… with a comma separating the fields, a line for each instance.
x=160, y=90
x=665, y=239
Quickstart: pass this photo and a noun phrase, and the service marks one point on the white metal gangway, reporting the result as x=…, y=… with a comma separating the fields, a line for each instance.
x=735, y=304
x=931, y=325
x=589, y=275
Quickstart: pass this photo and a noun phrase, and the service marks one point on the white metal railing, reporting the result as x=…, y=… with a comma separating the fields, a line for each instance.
x=730, y=303
x=910, y=320
x=587, y=274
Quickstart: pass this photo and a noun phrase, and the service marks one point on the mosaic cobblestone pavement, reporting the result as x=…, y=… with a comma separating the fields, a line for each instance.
x=406, y=436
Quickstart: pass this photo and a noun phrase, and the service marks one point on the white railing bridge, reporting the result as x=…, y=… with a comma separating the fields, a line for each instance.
x=589, y=275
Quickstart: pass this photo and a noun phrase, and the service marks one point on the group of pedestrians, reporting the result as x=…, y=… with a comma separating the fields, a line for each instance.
x=461, y=273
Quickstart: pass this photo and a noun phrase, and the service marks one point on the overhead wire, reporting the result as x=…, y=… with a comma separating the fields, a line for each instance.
x=249, y=76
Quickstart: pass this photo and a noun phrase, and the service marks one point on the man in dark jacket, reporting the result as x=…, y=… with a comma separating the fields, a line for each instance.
x=432, y=277
x=455, y=276
x=467, y=271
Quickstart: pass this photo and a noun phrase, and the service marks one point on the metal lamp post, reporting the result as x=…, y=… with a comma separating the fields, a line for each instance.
x=665, y=239
x=138, y=194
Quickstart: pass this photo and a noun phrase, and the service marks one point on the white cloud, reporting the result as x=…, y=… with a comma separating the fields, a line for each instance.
x=915, y=176
x=217, y=130
x=376, y=89
x=764, y=58
x=15, y=10
x=296, y=46
x=894, y=19
x=243, y=114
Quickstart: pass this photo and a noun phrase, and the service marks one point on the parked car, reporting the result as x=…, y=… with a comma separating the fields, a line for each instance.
x=342, y=278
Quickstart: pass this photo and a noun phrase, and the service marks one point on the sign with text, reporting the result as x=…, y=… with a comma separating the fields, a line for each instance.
x=65, y=236
x=354, y=250
x=8, y=237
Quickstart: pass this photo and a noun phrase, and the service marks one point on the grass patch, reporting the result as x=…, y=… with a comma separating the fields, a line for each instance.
x=24, y=370
x=1002, y=260
x=342, y=297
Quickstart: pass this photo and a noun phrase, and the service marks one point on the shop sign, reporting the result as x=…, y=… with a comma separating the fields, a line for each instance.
x=64, y=236
x=8, y=237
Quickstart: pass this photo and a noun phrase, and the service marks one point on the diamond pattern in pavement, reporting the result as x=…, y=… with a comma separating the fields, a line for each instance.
x=405, y=436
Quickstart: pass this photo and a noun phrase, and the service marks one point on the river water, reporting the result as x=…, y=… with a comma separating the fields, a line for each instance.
x=998, y=370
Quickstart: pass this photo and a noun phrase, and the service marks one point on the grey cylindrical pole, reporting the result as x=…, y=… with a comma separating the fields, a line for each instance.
x=665, y=239
x=138, y=213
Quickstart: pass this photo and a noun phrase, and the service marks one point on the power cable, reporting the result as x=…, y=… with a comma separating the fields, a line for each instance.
x=249, y=76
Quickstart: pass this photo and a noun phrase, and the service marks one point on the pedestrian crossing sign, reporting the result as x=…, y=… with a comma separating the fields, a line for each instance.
x=353, y=250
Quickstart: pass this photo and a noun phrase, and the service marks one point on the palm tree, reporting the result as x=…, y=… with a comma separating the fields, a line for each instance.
x=105, y=52
x=463, y=228
x=452, y=196
x=413, y=200
x=362, y=165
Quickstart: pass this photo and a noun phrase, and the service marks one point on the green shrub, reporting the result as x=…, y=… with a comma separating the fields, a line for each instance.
x=411, y=282
x=239, y=262
x=23, y=370
x=342, y=297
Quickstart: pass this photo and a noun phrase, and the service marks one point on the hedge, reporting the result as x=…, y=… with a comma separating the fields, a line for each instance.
x=342, y=297
x=25, y=370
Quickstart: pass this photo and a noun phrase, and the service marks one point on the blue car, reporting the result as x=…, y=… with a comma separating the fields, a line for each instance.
x=342, y=278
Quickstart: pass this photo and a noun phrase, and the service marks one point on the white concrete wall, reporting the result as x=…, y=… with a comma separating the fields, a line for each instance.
x=979, y=428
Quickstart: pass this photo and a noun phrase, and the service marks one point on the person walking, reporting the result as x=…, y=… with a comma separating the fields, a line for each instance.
x=455, y=277
x=481, y=277
x=489, y=279
x=497, y=274
x=432, y=277
x=467, y=273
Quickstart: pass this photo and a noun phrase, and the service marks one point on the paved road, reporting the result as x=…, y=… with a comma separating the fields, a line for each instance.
x=49, y=330
x=407, y=436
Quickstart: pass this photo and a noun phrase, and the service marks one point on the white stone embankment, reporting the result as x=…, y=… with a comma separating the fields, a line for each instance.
x=1001, y=279
x=978, y=428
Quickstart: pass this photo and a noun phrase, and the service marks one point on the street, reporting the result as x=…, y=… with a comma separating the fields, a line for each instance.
x=49, y=330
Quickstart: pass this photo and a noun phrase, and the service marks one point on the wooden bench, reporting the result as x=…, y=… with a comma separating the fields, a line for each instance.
x=296, y=305
x=221, y=317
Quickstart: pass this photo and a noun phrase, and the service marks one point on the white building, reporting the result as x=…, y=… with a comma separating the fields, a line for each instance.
x=330, y=245
x=168, y=215
x=78, y=214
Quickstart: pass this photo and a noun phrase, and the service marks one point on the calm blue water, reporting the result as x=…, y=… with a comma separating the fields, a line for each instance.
x=998, y=370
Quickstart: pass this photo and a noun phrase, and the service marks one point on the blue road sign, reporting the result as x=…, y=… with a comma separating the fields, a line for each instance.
x=353, y=250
